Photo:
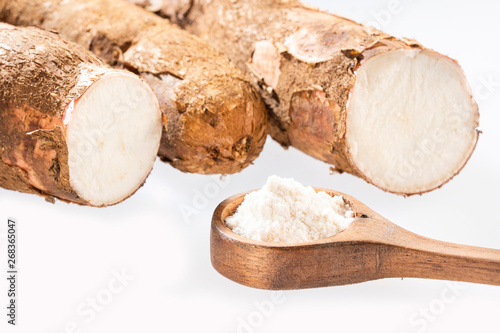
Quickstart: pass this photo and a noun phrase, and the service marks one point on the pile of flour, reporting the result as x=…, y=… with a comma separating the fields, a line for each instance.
x=285, y=211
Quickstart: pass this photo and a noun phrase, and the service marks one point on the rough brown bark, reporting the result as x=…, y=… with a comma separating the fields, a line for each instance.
x=40, y=74
x=216, y=121
x=303, y=61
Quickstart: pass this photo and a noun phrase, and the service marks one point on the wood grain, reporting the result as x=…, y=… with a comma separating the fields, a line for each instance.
x=371, y=248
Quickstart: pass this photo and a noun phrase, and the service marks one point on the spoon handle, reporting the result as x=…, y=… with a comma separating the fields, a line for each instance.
x=411, y=255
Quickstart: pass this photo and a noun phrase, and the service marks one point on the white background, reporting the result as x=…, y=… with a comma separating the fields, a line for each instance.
x=68, y=254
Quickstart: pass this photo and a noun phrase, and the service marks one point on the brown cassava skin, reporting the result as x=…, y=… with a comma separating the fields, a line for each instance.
x=217, y=123
x=303, y=62
x=40, y=74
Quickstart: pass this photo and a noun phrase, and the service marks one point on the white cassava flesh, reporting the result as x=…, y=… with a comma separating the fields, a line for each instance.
x=411, y=120
x=113, y=135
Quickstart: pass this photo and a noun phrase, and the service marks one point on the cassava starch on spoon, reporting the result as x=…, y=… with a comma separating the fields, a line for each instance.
x=285, y=211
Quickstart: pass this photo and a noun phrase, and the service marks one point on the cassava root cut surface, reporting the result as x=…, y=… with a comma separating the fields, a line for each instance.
x=216, y=122
x=71, y=127
x=388, y=110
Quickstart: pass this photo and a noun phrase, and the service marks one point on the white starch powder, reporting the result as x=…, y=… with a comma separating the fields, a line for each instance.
x=285, y=211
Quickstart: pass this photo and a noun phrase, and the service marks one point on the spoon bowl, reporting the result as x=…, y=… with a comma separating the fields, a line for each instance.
x=370, y=248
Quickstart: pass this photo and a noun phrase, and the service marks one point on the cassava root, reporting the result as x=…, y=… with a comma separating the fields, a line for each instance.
x=388, y=110
x=215, y=121
x=71, y=127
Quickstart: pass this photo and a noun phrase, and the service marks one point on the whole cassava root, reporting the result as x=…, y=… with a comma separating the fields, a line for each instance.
x=69, y=123
x=216, y=122
x=385, y=109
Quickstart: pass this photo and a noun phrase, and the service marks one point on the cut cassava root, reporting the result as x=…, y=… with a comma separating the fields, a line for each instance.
x=217, y=122
x=428, y=123
x=398, y=115
x=71, y=127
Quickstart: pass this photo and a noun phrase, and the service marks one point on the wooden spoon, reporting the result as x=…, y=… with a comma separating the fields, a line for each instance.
x=370, y=248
